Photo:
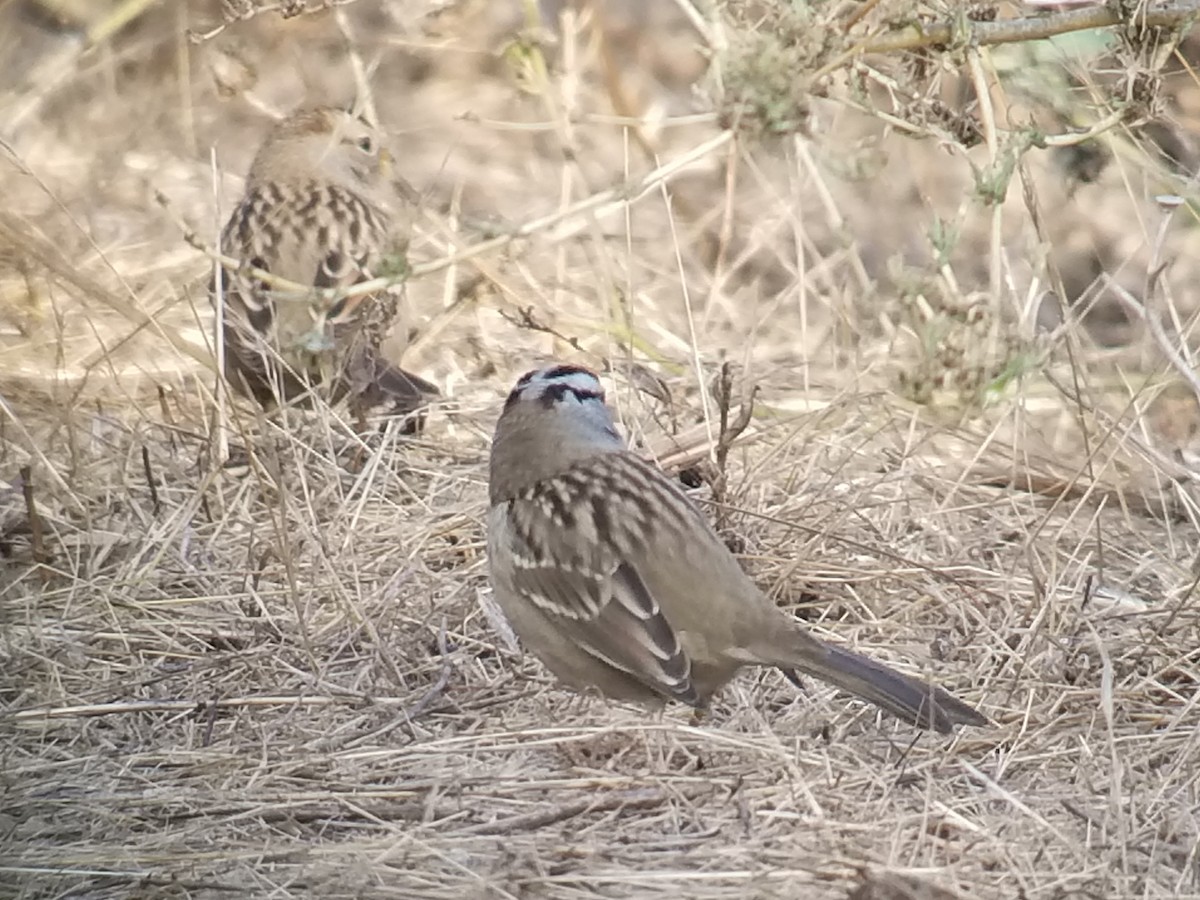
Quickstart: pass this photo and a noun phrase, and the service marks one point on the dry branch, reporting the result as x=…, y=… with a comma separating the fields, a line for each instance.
x=1033, y=28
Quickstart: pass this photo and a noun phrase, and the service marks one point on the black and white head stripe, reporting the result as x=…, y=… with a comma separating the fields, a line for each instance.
x=554, y=384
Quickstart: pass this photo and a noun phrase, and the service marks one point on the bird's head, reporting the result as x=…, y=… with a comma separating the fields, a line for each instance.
x=328, y=144
x=553, y=417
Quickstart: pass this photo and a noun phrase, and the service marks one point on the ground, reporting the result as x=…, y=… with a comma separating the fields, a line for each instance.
x=966, y=456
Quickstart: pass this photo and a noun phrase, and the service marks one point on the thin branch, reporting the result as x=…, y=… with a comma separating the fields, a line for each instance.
x=287, y=9
x=525, y=319
x=37, y=539
x=1034, y=28
x=560, y=225
x=542, y=818
x=1155, y=327
x=91, y=710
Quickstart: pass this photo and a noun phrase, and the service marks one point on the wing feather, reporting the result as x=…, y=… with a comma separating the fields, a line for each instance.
x=596, y=600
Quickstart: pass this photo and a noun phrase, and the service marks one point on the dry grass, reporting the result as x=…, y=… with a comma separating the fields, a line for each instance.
x=280, y=680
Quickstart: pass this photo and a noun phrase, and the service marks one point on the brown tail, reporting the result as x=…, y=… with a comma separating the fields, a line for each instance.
x=375, y=383
x=917, y=702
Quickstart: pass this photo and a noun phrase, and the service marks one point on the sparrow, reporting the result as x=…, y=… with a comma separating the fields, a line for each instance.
x=616, y=581
x=320, y=209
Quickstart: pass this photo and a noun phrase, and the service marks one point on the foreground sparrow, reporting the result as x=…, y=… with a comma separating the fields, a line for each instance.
x=616, y=581
x=319, y=208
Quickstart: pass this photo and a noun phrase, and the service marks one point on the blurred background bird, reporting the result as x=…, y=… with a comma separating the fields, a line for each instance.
x=322, y=210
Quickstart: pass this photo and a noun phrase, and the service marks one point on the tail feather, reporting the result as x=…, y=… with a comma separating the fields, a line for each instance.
x=375, y=383
x=917, y=702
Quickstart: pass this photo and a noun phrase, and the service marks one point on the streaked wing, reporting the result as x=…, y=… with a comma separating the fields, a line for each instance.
x=596, y=600
x=311, y=233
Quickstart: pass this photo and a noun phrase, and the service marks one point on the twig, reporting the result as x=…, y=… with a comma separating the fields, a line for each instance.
x=165, y=409
x=994, y=199
x=364, y=102
x=37, y=538
x=415, y=711
x=858, y=14
x=125, y=707
x=731, y=432
x=285, y=553
x=210, y=724
x=1034, y=28
x=723, y=394
x=154, y=502
x=1155, y=327
x=141, y=878
x=543, y=817
x=118, y=18
x=569, y=221
x=698, y=22
x=35, y=447
x=495, y=617
x=221, y=387
x=694, y=445
x=727, y=433
x=1156, y=268
x=524, y=318
x=287, y=9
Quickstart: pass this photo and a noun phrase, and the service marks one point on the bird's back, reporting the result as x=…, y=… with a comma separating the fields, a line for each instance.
x=314, y=234
x=683, y=561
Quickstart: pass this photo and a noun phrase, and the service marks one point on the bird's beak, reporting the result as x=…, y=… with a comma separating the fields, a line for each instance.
x=386, y=161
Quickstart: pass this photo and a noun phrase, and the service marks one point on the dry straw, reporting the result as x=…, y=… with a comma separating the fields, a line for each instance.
x=278, y=680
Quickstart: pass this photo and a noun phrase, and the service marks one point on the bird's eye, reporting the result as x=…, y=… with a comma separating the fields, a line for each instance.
x=366, y=145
